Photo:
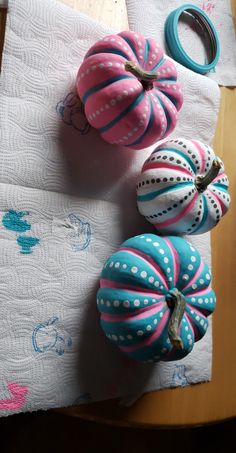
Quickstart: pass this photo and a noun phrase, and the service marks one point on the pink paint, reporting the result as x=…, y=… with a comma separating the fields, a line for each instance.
x=201, y=153
x=151, y=338
x=17, y=397
x=175, y=259
x=208, y=7
x=110, y=97
x=196, y=275
x=147, y=260
x=150, y=166
x=104, y=283
x=136, y=315
x=220, y=175
x=175, y=219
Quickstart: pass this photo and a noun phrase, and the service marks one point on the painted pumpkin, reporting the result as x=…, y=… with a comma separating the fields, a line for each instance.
x=183, y=188
x=129, y=90
x=155, y=296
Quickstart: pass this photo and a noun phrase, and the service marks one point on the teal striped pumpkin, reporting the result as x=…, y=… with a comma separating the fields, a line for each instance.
x=155, y=296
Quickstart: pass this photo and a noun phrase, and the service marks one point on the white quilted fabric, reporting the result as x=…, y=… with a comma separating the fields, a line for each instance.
x=52, y=351
x=148, y=16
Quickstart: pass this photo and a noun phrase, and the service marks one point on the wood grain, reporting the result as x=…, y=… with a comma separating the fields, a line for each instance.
x=209, y=402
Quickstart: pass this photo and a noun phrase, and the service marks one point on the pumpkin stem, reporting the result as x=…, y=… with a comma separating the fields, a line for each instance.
x=145, y=77
x=175, y=301
x=202, y=182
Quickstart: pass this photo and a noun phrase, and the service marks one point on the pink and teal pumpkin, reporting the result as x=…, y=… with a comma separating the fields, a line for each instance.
x=155, y=296
x=183, y=188
x=129, y=90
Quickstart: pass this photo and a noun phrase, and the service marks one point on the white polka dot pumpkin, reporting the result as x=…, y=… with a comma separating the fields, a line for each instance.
x=129, y=90
x=155, y=296
x=183, y=188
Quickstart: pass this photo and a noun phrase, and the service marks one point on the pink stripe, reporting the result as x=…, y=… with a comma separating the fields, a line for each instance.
x=175, y=258
x=135, y=315
x=150, y=166
x=196, y=276
x=104, y=283
x=202, y=155
x=179, y=216
x=151, y=338
x=220, y=175
x=218, y=200
x=148, y=260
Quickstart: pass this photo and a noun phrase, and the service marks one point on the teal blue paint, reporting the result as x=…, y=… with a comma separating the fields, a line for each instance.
x=26, y=243
x=175, y=47
x=150, y=196
x=12, y=220
x=177, y=151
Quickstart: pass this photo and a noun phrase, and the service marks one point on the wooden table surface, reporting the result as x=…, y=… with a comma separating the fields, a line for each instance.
x=216, y=400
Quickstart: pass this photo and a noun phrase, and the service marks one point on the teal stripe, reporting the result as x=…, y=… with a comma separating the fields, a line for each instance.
x=170, y=79
x=168, y=119
x=179, y=154
x=101, y=85
x=222, y=187
x=151, y=195
x=150, y=123
x=123, y=114
x=108, y=50
x=204, y=217
x=159, y=64
x=146, y=51
x=168, y=96
x=130, y=44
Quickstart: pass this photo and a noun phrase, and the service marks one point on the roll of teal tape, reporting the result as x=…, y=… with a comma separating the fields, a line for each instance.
x=175, y=47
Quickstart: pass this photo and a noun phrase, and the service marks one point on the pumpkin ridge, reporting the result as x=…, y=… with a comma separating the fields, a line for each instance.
x=196, y=276
x=101, y=85
x=124, y=112
x=205, y=214
x=149, y=125
x=160, y=62
x=110, y=50
x=175, y=259
x=218, y=200
x=169, y=166
x=152, y=337
x=179, y=216
x=148, y=260
x=134, y=315
x=167, y=95
x=168, y=119
x=151, y=195
x=105, y=283
x=177, y=151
